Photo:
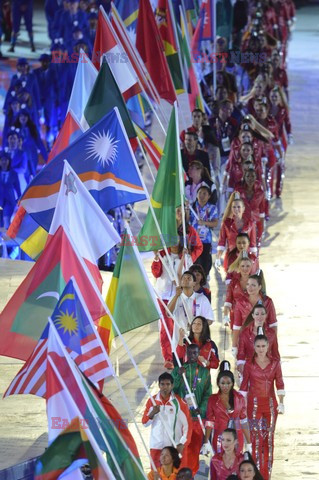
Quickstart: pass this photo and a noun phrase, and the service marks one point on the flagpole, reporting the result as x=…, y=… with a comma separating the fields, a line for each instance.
x=152, y=291
x=114, y=325
x=114, y=374
x=88, y=430
x=88, y=402
x=145, y=158
x=180, y=174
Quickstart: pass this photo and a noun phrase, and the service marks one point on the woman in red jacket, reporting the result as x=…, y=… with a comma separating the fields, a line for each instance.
x=200, y=335
x=261, y=374
x=233, y=223
x=237, y=286
x=255, y=322
x=234, y=257
x=226, y=462
x=253, y=195
x=244, y=305
x=224, y=408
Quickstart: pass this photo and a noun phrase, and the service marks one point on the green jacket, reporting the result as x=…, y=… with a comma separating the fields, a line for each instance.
x=200, y=386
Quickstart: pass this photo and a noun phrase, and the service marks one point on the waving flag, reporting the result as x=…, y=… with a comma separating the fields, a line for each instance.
x=70, y=395
x=151, y=49
x=78, y=334
x=71, y=130
x=166, y=195
x=134, y=56
x=205, y=27
x=167, y=29
x=23, y=319
x=128, y=10
x=153, y=150
x=107, y=44
x=84, y=80
x=65, y=453
x=105, y=163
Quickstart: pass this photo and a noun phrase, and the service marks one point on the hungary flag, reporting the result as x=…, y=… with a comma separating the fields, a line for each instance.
x=23, y=319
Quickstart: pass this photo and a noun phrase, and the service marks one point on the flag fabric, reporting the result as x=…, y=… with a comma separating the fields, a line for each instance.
x=205, y=27
x=128, y=282
x=151, y=49
x=69, y=450
x=27, y=233
x=166, y=195
x=71, y=130
x=167, y=29
x=134, y=56
x=70, y=395
x=153, y=150
x=23, y=319
x=77, y=211
x=104, y=97
x=128, y=10
x=107, y=45
x=84, y=80
x=136, y=108
x=78, y=334
x=104, y=162
x=194, y=93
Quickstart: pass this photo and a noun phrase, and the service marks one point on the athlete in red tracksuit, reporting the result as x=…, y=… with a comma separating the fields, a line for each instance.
x=261, y=374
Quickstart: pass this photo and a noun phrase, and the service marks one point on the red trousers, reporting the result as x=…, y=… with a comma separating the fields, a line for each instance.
x=193, y=449
x=262, y=415
x=164, y=341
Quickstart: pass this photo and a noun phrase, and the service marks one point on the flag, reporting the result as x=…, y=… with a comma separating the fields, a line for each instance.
x=70, y=395
x=204, y=29
x=79, y=214
x=27, y=233
x=166, y=195
x=194, y=93
x=129, y=282
x=153, y=150
x=78, y=334
x=167, y=29
x=107, y=44
x=133, y=55
x=84, y=80
x=24, y=317
x=105, y=96
x=71, y=130
x=104, y=162
x=128, y=10
x=136, y=108
x=69, y=450
x=151, y=49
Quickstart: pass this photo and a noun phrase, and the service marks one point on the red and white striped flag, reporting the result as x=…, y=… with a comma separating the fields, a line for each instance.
x=78, y=333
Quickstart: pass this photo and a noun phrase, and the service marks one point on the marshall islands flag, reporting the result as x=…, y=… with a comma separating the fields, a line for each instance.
x=102, y=158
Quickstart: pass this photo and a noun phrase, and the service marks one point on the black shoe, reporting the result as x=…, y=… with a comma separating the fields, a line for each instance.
x=32, y=47
x=11, y=49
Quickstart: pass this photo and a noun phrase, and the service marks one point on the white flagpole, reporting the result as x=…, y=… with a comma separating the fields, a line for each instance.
x=88, y=402
x=114, y=375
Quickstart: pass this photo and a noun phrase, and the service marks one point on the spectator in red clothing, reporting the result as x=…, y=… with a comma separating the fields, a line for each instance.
x=200, y=335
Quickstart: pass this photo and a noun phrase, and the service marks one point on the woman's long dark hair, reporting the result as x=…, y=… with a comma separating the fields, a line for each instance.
x=30, y=124
x=227, y=373
x=205, y=333
x=250, y=461
x=174, y=455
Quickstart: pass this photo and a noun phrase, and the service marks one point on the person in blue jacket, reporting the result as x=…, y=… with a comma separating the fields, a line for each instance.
x=21, y=9
x=19, y=159
x=32, y=143
x=48, y=86
x=9, y=189
x=73, y=17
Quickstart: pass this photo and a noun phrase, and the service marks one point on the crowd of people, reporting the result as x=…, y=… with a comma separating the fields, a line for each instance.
x=233, y=156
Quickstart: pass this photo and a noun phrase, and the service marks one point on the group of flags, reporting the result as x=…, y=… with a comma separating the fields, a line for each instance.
x=57, y=321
